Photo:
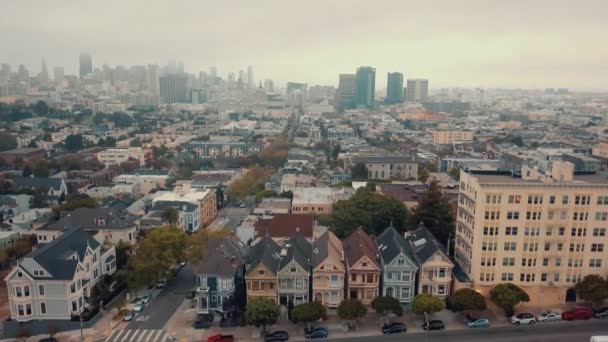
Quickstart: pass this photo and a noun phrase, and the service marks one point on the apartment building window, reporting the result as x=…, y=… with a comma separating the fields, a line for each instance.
x=562, y=231
x=564, y=199
x=507, y=277
x=532, y=247
x=255, y=285
x=18, y=292
x=353, y=277
x=602, y=200
x=488, y=246
x=293, y=269
x=556, y=277
x=512, y=215
x=74, y=306
x=563, y=215
x=511, y=231
x=526, y=277
x=599, y=231
x=73, y=287
x=486, y=231
x=508, y=261
x=531, y=231
x=551, y=199
x=405, y=276
x=41, y=290
x=26, y=291
x=43, y=308
x=370, y=278
x=509, y=246
x=601, y=216
x=528, y=262
x=545, y=261
x=543, y=277
x=597, y=247
x=493, y=199
x=547, y=246
x=261, y=272
x=580, y=216
x=488, y=262
x=595, y=262
x=549, y=231
x=299, y=283
x=514, y=199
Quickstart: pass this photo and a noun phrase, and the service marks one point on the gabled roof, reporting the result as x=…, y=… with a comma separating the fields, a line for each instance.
x=296, y=249
x=179, y=206
x=265, y=252
x=325, y=246
x=391, y=244
x=43, y=183
x=424, y=244
x=358, y=245
x=223, y=256
x=89, y=218
x=52, y=256
x=285, y=225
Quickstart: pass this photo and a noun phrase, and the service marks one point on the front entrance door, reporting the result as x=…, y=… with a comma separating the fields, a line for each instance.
x=570, y=295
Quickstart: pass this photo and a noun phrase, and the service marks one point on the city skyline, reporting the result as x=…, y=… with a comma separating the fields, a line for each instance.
x=525, y=49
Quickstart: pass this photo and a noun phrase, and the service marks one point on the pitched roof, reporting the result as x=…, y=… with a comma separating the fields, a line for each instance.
x=266, y=252
x=285, y=225
x=89, y=219
x=358, y=245
x=327, y=245
x=391, y=244
x=424, y=244
x=45, y=183
x=178, y=205
x=296, y=249
x=53, y=256
x=222, y=256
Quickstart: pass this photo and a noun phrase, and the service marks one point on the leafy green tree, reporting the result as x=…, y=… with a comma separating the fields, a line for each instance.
x=386, y=305
x=135, y=142
x=122, y=120
x=359, y=172
x=517, y=140
x=308, y=312
x=426, y=303
x=374, y=212
x=74, y=142
x=27, y=171
x=41, y=169
x=123, y=250
x=592, y=288
x=170, y=215
x=261, y=311
x=41, y=108
x=351, y=309
x=507, y=296
x=7, y=141
x=455, y=173
x=435, y=212
x=465, y=300
x=264, y=194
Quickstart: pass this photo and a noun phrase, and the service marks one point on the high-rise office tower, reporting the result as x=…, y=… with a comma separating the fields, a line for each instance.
x=153, y=81
x=5, y=73
x=250, y=77
x=180, y=67
x=365, y=90
x=86, y=64
x=43, y=77
x=394, y=88
x=345, y=96
x=213, y=72
x=23, y=75
x=58, y=75
x=173, y=89
x=269, y=86
x=417, y=90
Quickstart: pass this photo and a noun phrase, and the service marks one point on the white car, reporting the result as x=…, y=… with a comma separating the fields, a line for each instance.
x=138, y=307
x=523, y=318
x=547, y=317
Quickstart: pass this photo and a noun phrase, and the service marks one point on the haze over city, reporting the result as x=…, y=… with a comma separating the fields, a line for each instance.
x=515, y=44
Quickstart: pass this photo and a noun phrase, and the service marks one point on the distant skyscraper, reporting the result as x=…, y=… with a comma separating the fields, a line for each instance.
x=345, y=96
x=173, y=89
x=213, y=72
x=250, y=77
x=86, y=64
x=365, y=90
x=394, y=88
x=231, y=79
x=301, y=88
x=269, y=86
x=43, y=77
x=180, y=67
x=417, y=90
x=58, y=75
x=5, y=73
x=153, y=81
x=23, y=75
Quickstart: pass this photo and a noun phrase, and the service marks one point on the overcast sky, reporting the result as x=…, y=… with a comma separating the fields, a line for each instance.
x=472, y=43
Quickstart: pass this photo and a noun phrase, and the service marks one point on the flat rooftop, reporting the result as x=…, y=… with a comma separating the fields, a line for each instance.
x=590, y=179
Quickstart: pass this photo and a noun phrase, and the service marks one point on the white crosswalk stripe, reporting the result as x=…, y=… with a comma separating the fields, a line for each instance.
x=138, y=335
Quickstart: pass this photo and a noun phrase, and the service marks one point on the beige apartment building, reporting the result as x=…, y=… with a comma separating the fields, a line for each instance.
x=448, y=137
x=541, y=232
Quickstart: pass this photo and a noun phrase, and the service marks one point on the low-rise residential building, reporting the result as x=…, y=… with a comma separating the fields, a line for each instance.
x=219, y=274
x=206, y=149
x=205, y=199
x=385, y=166
x=53, y=187
x=404, y=193
x=25, y=154
x=295, y=266
x=53, y=281
x=261, y=270
x=312, y=200
x=451, y=136
x=116, y=156
x=273, y=206
x=398, y=265
x=282, y=227
x=363, y=269
x=328, y=270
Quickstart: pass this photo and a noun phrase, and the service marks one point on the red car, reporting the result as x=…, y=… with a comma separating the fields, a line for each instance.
x=220, y=338
x=577, y=314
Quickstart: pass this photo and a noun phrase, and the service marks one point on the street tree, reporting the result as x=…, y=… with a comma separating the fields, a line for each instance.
x=359, y=172
x=386, y=305
x=261, y=311
x=41, y=169
x=74, y=142
x=592, y=288
x=426, y=303
x=351, y=309
x=466, y=299
x=170, y=215
x=507, y=296
x=308, y=312
x=434, y=211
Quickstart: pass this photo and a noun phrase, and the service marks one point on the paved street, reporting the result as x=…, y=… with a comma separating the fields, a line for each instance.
x=156, y=314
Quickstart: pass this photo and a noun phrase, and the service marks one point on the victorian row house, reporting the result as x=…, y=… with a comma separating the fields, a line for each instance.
x=398, y=265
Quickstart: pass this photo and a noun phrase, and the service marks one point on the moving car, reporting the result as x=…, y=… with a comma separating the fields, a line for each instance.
x=394, y=328
x=523, y=318
x=601, y=313
x=161, y=284
x=146, y=299
x=476, y=322
x=138, y=307
x=578, y=313
x=220, y=338
x=316, y=332
x=276, y=336
x=548, y=317
x=129, y=316
x=435, y=324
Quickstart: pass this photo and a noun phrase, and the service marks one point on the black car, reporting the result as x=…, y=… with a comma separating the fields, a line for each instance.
x=433, y=325
x=316, y=332
x=203, y=321
x=394, y=328
x=48, y=339
x=601, y=313
x=276, y=336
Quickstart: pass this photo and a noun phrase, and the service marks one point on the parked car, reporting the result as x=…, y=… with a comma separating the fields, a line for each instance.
x=146, y=299
x=601, y=313
x=476, y=322
x=203, y=321
x=139, y=306
x=129, y=316
x=578, y=313
x=191, y=295
x=523, y=318
x=220, y=338
x=276, y=336
x=316, y=332
x=48, y=339
x=161, y=284
x=435, y=324
x=394, y=328
x=547, y=317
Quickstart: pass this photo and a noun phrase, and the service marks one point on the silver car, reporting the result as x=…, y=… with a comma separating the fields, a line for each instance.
x=548, y=317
